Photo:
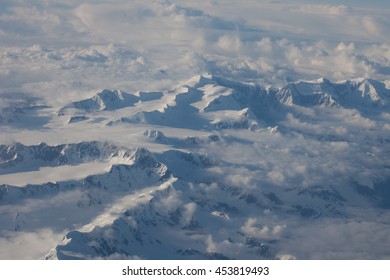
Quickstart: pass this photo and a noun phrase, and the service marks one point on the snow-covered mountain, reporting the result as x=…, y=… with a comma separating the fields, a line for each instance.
x=105, y=100
x=361, y=94
x=22, y=157
x=211, y=169
x=214, y=102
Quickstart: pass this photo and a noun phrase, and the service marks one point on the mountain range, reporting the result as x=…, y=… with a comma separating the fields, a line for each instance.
x=211, y=169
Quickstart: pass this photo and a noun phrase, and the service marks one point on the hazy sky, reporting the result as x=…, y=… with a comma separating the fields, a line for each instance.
x=352, y=3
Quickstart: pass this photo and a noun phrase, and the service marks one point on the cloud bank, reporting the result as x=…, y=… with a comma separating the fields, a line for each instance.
x=69, y=48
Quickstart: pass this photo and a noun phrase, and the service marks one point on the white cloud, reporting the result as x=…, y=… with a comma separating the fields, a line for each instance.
x=265, y=44
x=345, y=47
x=252, y=228
x=332, y=10
x=276, y=177
x=211, y=246
x=188, y=213
x=349, y=240
x=371, y=26
x=28, y=245
x=229, y=43
x=168, y=203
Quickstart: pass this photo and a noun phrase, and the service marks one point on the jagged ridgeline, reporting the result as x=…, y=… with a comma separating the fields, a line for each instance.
x=211, y=169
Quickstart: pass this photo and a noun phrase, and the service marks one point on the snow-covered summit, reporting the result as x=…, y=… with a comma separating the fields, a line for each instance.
x=211, y=169
x=231, y=95
x=106, y=100
x=21, y=157
x=359, y=94
x=216, y=102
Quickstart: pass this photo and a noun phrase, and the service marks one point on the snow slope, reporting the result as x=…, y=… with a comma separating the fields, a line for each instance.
x=211, y=169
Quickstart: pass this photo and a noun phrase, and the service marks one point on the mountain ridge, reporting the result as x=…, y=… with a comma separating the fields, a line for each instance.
x=202, y=101
x=211, y=169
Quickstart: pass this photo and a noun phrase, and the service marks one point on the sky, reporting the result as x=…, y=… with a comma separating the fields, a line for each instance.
x=361, y=3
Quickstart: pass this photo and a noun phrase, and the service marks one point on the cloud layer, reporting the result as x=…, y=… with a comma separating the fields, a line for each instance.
x=72, y=47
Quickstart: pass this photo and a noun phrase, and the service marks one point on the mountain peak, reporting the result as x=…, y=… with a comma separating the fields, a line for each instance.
x=144, y=159
x=107, y=95
x=199, y=80
x=106, y=100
